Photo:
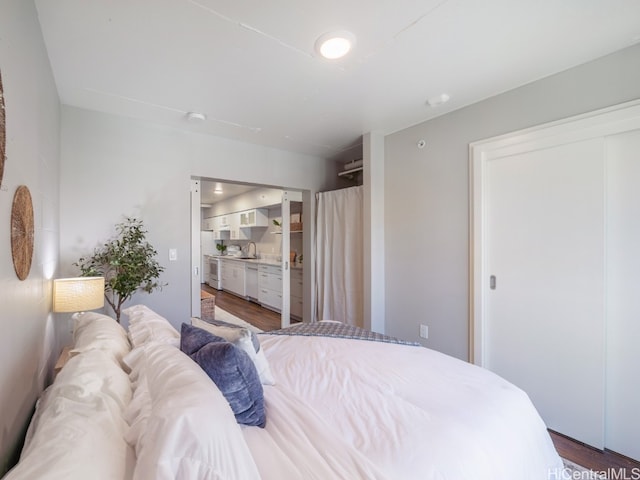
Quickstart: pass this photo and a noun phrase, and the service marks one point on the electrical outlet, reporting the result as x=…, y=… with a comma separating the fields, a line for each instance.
x=424, y=331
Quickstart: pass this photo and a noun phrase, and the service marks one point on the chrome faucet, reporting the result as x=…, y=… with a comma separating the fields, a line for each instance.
x=255, y=249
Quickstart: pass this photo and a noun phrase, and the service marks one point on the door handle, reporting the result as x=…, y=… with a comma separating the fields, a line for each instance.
x=492, y=282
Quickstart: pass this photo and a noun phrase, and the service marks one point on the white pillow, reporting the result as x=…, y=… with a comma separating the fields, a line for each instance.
x=142, y=313
x=132, y=361
x=138, y=412
x=190, y=430
x=94, y=331
x=77, y=431
x=94, y=372
x=240, y=337
x=142, y=333
x=145, y=325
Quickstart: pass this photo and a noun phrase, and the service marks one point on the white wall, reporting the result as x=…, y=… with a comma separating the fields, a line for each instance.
x=28, y=343
x=426, y=192
x=113, y=166
x=374, y=234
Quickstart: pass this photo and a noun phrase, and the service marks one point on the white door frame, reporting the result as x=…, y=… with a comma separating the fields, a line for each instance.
x=286, y=246
x=196, y=275
x=608, y=121
x=196, y=258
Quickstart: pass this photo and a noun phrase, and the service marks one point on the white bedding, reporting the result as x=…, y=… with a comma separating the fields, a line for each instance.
x=340, y=409
x=354, y=409
x=77, y=432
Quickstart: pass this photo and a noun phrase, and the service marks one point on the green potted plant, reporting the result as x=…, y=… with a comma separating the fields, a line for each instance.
x=221, y=247
x=127, y=263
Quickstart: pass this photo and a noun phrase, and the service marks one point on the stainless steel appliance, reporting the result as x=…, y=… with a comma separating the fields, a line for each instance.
x=251, y=281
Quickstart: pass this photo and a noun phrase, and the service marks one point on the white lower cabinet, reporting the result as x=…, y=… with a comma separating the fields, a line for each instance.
x=296, y=292
x=270, y=286
x=233, y=277
x=262, y=283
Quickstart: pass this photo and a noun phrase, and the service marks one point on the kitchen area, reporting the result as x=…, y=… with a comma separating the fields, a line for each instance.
x=241, y=245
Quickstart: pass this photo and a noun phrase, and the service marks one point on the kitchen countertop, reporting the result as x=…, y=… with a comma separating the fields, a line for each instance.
x=257, y=261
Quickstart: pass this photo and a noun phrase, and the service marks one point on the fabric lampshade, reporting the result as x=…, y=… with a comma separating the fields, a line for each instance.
x=78, y=294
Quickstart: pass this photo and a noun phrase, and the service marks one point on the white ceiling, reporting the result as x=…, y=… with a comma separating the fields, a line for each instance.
x=250, y=66
x=209, y=197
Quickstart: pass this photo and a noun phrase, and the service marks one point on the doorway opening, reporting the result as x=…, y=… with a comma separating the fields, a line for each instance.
x=248, y=242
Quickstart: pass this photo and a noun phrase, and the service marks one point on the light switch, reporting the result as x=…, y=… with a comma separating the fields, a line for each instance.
x=173, y=254
x=424, y=331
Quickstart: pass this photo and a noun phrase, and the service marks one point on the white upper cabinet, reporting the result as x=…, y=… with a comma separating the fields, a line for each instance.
x=222, y=223
x=215, y=224
x=234, y=227
x=207, y=224
x=256, y=217
x=236, y=222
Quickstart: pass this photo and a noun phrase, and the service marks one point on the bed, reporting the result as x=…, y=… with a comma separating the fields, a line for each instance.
x=323, y=402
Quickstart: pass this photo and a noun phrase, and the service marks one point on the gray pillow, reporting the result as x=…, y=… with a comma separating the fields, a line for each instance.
x=220, y=323
x=231, y=370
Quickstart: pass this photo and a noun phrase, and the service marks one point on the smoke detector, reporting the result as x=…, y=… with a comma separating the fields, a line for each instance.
x=195, y=117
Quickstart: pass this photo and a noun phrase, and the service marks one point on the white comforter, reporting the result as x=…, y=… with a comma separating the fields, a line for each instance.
x=353, y=409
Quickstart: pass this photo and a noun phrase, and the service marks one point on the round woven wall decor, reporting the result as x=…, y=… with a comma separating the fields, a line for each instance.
x=3, y=136
x=22, y=232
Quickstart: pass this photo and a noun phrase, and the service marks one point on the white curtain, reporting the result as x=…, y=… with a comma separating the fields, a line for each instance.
x=339, y=257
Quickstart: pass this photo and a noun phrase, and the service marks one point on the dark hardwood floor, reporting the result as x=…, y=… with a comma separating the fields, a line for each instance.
x=611, y=463
x=256, y=315
x=570, y=449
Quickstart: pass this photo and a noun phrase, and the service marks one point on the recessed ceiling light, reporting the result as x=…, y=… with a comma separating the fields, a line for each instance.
x=438, y=100
x=196, y=117
x=218, y=191
x=334, y=45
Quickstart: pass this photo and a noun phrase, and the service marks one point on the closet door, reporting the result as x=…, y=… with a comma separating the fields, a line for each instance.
x=623, y=294
x=544, y=313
